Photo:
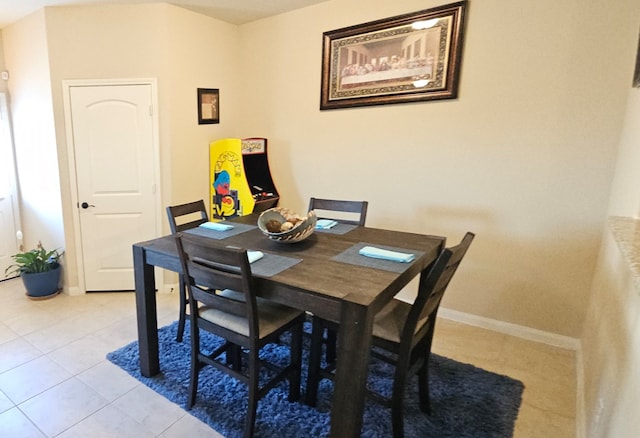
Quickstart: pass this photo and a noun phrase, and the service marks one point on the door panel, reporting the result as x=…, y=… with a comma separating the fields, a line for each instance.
x=113, y=140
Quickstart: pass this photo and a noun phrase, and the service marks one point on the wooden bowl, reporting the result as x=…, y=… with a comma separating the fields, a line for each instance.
x=298, y=233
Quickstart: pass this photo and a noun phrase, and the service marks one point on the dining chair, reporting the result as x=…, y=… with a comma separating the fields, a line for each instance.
x=355, y=211
x=346, y=212
x=183, y=217
x=402, y=336
x=222, y=301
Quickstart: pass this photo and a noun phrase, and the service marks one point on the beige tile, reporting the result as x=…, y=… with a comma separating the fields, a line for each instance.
x=12, y=303
x=149, y=408
x=15, y=353
x=119, y=333
x=32, y=378
x=536, y=423
x=102, y=400
x=108, y=422
x=64, y=306
x=547, y=372
x=81, y=354
x=108, y=380
x=6, y=334
x=480, y=347
x=98, y=318
x=65, y=333
x=189, y=426
x=62, y=406
x=14, y=423
x=33, y=320
x=5, y=403
x=543, y=361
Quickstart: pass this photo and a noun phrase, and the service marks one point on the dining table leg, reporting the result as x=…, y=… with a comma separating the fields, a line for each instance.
x=146, y=313
x=356, y=326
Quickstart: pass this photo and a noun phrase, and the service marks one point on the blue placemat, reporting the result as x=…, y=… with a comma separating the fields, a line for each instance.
x=219, y=235
x=338, y=229
x=352, y=257
x=272, y=264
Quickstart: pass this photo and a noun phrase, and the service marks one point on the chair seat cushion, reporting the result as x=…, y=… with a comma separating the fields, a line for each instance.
x=389, y=322
x=272, y=316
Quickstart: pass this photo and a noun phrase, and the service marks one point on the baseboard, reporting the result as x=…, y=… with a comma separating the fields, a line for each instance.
x=72, y=291
x=519, y=331
x=535, y=335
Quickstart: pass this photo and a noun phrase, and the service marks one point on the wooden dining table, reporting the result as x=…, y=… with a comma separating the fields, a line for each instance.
x=324, y=274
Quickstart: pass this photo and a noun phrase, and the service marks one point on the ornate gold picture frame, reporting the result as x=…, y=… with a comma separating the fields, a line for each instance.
x=406, y=58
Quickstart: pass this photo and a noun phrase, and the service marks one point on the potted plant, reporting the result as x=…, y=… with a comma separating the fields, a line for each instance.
x=39, y=269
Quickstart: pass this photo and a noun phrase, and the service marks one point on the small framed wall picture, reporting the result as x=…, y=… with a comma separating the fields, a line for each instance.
x=208, y=106
x=636, y=74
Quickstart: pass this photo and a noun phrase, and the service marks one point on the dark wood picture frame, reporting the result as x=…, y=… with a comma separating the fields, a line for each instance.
x=406, y=58
x=636, y=73
x=208, y=106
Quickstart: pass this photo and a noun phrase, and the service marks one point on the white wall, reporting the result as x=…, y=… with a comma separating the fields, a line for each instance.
x=29, y=87
x=524, y=157
x=625, y=192
x=611, y=335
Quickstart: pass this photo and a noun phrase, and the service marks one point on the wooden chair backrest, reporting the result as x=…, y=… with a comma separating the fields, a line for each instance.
x=207, y=267
x=359, y=208
x=185, y=216
x=433, y=283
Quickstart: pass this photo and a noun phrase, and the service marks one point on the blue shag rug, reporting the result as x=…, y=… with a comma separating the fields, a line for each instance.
x=466, y=401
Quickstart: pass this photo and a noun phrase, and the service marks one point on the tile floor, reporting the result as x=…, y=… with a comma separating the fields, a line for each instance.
x=56, y=382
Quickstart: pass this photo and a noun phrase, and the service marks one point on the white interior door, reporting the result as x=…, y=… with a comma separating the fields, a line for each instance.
x=114, y=147
x=9, y=217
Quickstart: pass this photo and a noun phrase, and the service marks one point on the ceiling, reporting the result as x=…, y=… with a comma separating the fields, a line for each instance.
x=231, y=11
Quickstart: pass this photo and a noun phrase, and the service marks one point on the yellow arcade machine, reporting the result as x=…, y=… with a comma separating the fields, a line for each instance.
x=240, y=181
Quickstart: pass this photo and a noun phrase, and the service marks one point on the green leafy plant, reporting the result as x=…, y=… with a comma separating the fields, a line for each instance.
x=33, y=261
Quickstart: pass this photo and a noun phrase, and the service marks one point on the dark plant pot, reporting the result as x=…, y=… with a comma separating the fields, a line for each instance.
x=42, y=284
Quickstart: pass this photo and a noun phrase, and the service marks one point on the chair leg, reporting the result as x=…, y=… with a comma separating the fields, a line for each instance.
x=296, y=363
x=397, y=398
x=330, y=354
x=423, y=372
x=315, y=354
x=193, y=385
x=252, y=407
x=195, y=366
x=423, y=387
x=397, y=421
x=234, y=357
x=183, y=311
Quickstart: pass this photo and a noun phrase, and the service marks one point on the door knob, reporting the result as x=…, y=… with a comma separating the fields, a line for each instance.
x=85, y=205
